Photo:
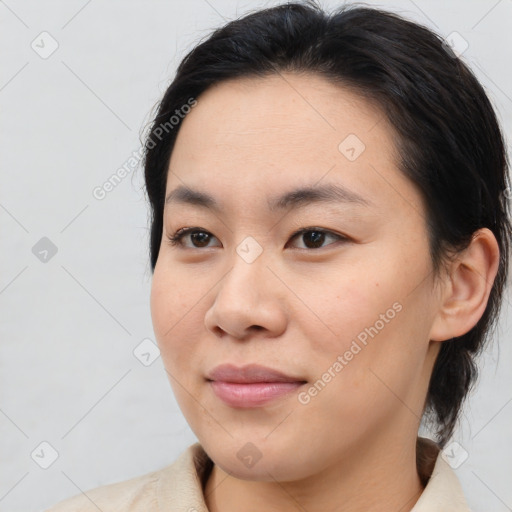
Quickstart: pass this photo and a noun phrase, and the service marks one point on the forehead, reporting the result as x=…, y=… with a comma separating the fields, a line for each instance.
x=262, y=134
x=280, y=110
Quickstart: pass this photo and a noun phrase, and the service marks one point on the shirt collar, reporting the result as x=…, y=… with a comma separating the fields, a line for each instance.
x=442, y=487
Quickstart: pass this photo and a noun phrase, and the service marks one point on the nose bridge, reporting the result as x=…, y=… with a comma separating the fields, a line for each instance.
x=247, y=274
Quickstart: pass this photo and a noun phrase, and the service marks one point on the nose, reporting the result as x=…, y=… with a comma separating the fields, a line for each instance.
x=248, y=299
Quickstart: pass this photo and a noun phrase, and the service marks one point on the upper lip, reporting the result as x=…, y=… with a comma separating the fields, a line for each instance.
x=249, y=373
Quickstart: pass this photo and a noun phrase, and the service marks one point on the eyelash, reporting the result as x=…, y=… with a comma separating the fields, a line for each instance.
x=176, y=239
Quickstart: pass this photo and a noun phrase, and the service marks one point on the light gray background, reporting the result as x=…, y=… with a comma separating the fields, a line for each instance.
x=69, y=326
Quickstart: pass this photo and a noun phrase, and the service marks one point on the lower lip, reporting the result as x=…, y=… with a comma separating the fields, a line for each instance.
x=254, y=394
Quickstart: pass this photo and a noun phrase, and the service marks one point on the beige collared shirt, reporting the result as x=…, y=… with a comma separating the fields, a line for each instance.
x=179, y=487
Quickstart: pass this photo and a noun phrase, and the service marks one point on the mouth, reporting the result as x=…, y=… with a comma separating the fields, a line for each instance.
x=251, y=385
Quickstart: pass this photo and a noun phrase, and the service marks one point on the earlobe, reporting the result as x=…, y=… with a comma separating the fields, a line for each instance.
x=466, y=293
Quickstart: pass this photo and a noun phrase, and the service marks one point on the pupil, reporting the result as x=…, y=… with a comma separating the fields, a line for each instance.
x=201, y=237
x=317, y=237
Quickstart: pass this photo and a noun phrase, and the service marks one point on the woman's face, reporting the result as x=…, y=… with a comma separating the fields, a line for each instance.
x=345, y=308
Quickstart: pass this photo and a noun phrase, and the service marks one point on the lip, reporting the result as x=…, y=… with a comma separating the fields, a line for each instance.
x=251, y=385
x=249, y=374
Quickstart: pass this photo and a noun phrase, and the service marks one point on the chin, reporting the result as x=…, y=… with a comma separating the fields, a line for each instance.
x=263, y=460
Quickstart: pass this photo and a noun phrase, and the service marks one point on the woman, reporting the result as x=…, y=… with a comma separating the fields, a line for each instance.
x=329, y=243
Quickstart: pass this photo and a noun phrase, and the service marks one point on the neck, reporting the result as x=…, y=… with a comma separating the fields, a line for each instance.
x=377, y=477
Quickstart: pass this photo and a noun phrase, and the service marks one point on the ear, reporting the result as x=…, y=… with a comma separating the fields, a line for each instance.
x=466, y=287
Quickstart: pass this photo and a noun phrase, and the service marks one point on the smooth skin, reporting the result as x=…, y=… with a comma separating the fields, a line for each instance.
x=301, y=303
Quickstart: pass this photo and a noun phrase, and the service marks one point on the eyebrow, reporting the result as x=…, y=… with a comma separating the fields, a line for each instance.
x=296, y=198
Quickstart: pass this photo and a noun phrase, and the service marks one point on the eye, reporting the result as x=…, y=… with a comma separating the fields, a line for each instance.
x=199, y=238
x=314, y=238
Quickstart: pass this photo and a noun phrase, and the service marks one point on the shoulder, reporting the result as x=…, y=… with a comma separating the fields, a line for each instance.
x=142, y=493
x=126, y=495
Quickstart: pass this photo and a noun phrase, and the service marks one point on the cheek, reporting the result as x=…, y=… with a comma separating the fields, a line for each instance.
x=371, y=317
x=339, y=306
x=360, y=385
x=176, y=309
x=382, y=362
x=178, y=324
